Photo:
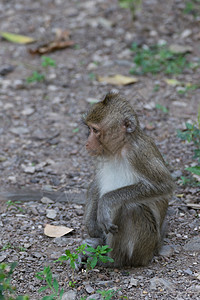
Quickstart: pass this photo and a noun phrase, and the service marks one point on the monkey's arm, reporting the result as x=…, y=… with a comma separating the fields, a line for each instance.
x=141, y=191
x=91, y=212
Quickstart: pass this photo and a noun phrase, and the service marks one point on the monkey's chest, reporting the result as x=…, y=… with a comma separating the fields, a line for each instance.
x=115, y=174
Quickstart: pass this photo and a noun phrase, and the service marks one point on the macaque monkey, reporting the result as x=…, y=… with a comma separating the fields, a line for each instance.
x=128, y=198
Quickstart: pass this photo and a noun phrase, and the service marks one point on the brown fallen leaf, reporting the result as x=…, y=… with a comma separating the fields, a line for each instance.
x=61, y=40
x=56, y=231
x=118, y=79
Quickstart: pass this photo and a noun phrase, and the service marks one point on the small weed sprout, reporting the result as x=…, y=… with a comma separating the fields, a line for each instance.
x=156, y=59
x=72, y=257
x=7, y=291
x=132, y=5
x=48, y=62
x=51, y=283
x=38, y=76
x=35, y=77
x=15, y=204
x=107, y=295
x=97, y=254
x=164, y=109
x=192, y=134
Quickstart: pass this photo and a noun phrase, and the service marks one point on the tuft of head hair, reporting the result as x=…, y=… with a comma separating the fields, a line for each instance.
x=115, y=108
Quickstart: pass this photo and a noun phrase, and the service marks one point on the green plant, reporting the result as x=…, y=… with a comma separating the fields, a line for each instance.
x=97, y=254
x=162, y=108
x=48, y=61
x=107, y=294
x=72, y=257
x=35, y=77
x=187, y=88
x=92, y=76
x=51, y=283
x=6, y=246
x=156, y=59
x=192, y=134
x=15, y=204
x=7, y=291
x=132, y=5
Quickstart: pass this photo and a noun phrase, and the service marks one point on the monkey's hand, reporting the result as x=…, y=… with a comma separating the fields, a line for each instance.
x=104, y=219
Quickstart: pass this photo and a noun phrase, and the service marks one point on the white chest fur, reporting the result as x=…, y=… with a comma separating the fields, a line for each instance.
x=114, y=174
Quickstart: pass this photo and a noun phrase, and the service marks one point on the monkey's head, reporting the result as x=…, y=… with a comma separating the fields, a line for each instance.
x=111, y=122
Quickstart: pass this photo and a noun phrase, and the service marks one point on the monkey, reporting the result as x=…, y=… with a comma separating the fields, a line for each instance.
x=128, y=198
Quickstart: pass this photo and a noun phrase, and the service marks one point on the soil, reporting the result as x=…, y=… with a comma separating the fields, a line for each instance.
x=42, y=140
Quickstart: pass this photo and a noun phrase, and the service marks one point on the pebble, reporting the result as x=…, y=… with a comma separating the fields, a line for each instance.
x=193, y=244
x=51, y=213
x=94, y=297
x=166, y=251
x=19, y=130
x=3, y=257
x=133, y=282
x=70, y=295
x=154, y=282
x=46, y=200
x=89, y=289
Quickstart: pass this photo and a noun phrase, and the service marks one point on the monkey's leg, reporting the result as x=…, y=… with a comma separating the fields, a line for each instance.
x=137, y=237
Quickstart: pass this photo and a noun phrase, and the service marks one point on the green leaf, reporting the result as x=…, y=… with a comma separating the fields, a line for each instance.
x=61, y=293
x=38, y=276
x=93, y=262
x=195, y=170
x=56, y=285
x=162, y=108
x=62, y=258
x=43, y=288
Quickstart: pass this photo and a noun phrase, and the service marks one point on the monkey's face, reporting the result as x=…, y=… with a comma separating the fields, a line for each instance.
x=104, y=142
x=93, y=144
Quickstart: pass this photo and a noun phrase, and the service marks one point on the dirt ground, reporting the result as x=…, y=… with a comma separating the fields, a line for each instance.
x=42, y=139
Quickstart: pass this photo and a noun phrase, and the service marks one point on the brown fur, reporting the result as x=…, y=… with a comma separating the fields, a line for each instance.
x=130, y=219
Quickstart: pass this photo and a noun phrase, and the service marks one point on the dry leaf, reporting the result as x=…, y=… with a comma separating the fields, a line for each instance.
x=118, y=80
x=16, y=38
x=56, y=231
x=173, y=82
x=60, y=41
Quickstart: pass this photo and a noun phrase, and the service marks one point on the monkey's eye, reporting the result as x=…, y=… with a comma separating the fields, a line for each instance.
x=95, y=130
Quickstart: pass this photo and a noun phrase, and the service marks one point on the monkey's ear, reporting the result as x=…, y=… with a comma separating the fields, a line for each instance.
x=110, y=95
x=130, y=124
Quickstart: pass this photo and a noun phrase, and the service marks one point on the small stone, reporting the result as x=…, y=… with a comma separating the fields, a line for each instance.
x=186, y=33
x=188, y=271
x=133, y=282
x=29, y=169
x=51, y=213
x=89, y=289
x=166, y=251
x=28, y=111
x=94, y=297
x=46, y=200
x=18, y=84
x=61, y=241
x=177, y=174
x=179, y=49
x=70, y=295
x=193, y=245
x=12, y=179
x=19, y=130
x=154, y=282
x=5, y=69
x=3, y=257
